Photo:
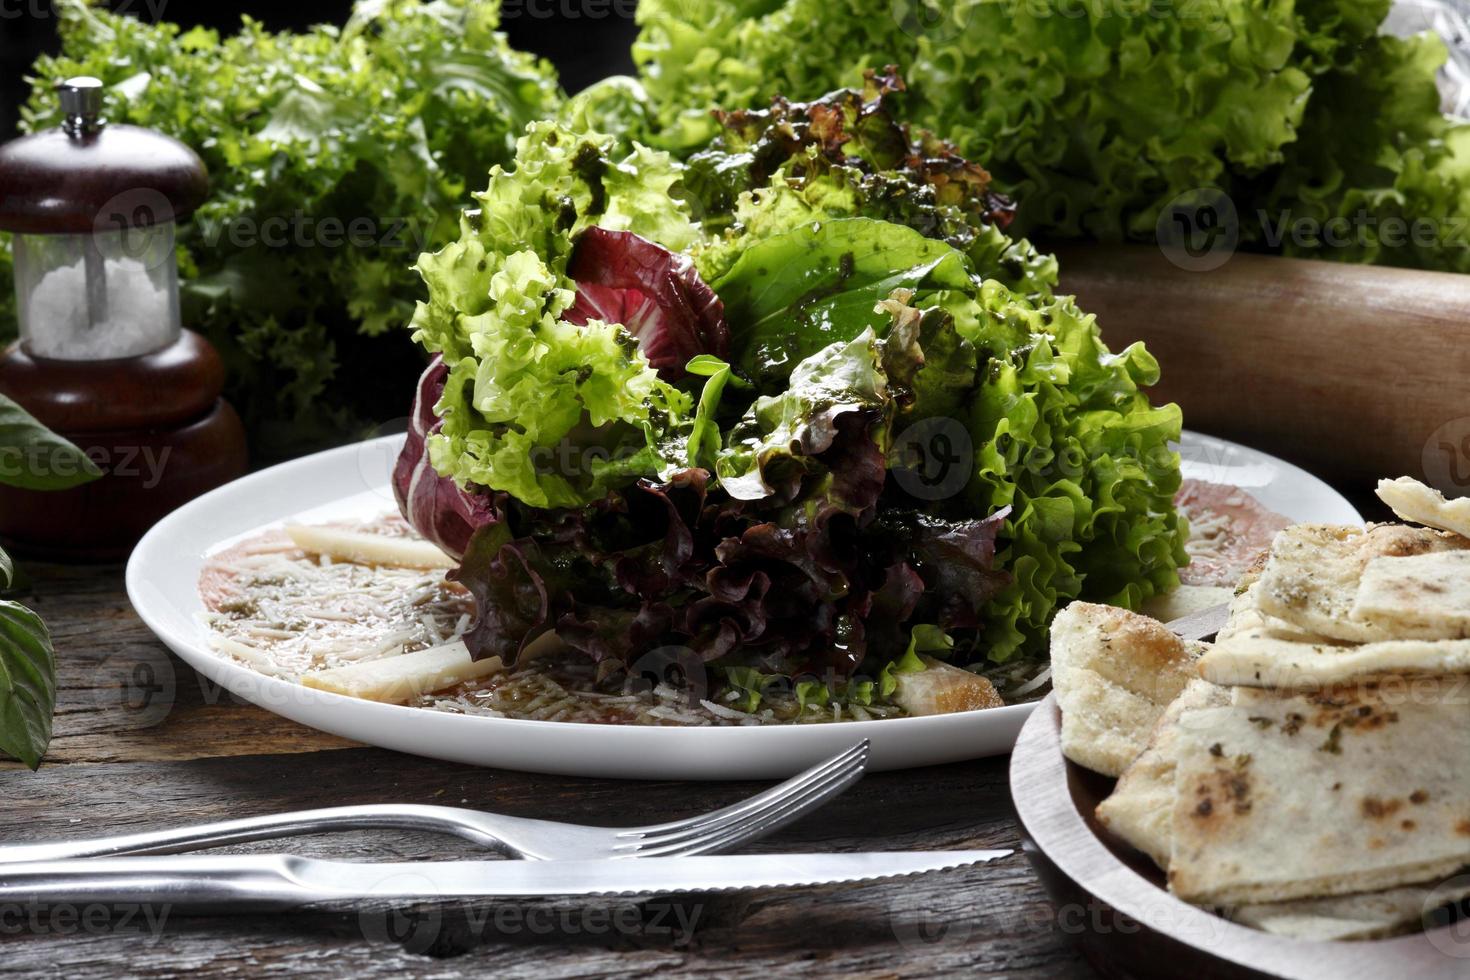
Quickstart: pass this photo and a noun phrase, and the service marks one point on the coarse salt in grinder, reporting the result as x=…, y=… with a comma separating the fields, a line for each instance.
x=103, y=358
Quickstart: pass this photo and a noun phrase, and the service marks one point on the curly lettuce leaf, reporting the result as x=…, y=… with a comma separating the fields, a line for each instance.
x=553, y=412
x=1064, y=435
x=770, y=445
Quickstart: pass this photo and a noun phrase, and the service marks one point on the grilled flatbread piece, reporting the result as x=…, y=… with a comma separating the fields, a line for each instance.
x=1421, y=504
x=1261, y=658
x=1311, y=579
x=1246, y=617
x=1114, y=672
x=1140, y=808
x=1372, y=915
x=1283, y=796
x=1417, y=595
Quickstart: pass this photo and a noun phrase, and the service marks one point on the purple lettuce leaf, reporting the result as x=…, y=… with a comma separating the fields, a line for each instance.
x=655, y=294
x=435, y=505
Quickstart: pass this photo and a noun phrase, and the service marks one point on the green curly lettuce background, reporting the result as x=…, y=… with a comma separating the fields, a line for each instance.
x=1095, y=117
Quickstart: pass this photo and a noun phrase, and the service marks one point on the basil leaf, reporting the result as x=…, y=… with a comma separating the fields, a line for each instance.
x=33, y=457
x=27, y=684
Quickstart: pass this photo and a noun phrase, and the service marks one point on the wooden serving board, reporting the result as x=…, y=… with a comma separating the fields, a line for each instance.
x=1357, y=372
x=1112, y=901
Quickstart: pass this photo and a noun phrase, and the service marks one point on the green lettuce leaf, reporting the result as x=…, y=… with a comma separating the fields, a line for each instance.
x=792, y=294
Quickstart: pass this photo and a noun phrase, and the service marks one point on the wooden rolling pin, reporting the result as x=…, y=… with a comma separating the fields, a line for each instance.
x=1355, y=372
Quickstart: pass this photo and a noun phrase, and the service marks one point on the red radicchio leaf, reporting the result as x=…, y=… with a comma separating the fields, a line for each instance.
x=435, y=505
x=655, y=294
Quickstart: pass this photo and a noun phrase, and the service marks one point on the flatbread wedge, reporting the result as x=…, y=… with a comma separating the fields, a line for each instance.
x=1114, y=673
x=1246, y=617
x=1349, y=790
x=1421, y=504
x=1312, y=578
x=1140, y=808
x=1262, y=658
x=1372, y=915
x=1419, y=595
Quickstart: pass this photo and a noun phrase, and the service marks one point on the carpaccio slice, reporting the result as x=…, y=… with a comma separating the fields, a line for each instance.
x=1229, y=530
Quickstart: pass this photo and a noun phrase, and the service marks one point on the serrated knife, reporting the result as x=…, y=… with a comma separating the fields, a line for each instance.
x=283, y=881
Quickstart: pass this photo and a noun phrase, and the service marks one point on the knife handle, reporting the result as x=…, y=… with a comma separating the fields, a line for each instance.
x=263, y=882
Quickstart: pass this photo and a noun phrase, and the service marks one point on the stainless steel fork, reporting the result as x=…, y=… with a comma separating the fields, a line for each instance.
x=542, y=840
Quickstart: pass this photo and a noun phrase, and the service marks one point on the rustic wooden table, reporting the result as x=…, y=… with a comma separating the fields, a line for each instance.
x=142, y=741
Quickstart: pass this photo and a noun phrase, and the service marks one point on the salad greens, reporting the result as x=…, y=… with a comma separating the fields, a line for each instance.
x=1097, y=117
x=798, y=404
x=35, y=459
x=335, y=157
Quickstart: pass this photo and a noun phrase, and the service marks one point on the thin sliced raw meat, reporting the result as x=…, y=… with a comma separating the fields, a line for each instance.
x=1229, y=530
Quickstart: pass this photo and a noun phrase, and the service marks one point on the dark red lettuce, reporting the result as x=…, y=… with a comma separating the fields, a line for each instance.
x=435, y=505
x=655, y=294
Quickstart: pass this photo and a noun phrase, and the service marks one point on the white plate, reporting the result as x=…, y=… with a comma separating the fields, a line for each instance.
x=353, y=482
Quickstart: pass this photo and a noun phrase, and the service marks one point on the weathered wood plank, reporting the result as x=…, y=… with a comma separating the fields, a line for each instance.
x=991, y=919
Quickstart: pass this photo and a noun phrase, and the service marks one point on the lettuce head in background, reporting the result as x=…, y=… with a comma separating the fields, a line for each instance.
x=799, y=405
x=1098, y=117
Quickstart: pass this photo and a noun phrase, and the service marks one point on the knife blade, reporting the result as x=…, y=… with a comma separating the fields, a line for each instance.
x=280, y=881
x=1202, y=625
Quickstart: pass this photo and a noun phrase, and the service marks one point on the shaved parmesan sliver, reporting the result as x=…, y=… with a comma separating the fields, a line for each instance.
x=369, y=549
x=258, y=659
x=398, y=680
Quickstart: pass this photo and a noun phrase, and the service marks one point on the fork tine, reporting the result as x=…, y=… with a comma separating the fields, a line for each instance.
x=757, y=808
x=758, y=825
x=855, y=757
x=758, y=815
